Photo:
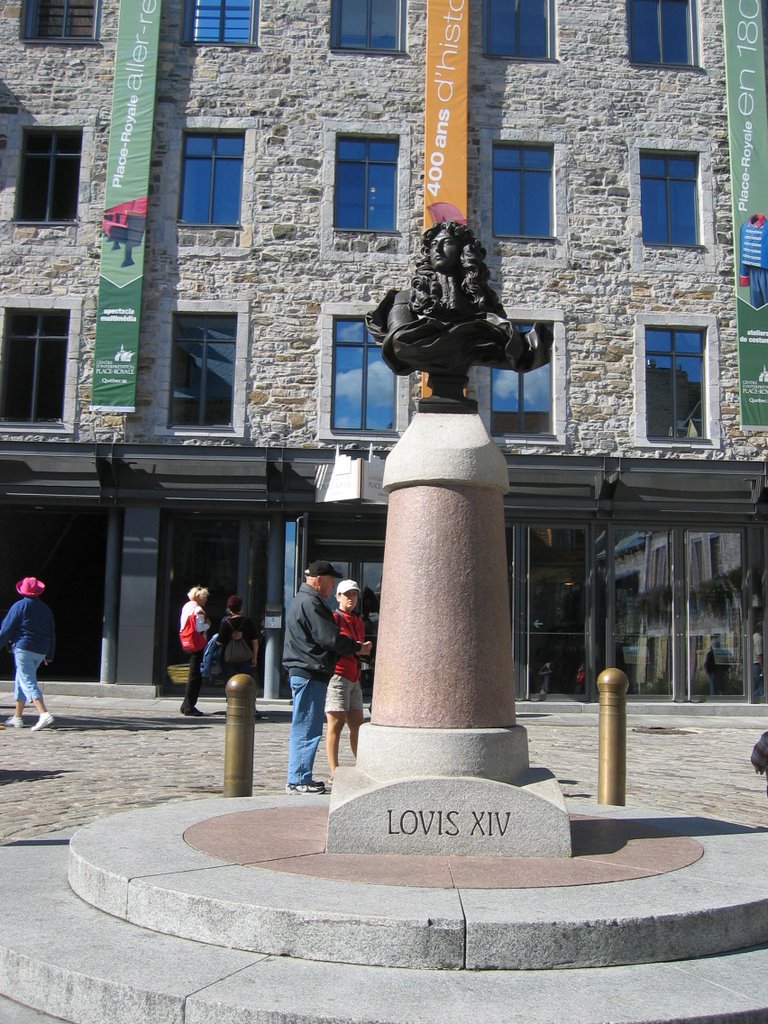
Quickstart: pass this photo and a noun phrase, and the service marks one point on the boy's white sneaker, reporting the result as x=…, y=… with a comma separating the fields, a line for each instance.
x=43, y=721
x=15, y=721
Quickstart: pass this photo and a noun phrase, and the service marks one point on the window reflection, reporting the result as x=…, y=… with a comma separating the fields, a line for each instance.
x=643, y=595
x=715, y=614
x=556, y=601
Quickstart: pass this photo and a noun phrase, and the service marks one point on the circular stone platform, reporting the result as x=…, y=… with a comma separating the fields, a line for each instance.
x=292, y=839
x=257, y=886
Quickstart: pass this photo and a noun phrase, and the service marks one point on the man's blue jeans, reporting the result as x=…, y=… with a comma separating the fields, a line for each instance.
x=306, y=727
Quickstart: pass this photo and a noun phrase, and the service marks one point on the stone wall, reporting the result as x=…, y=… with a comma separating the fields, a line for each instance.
x=290, y=95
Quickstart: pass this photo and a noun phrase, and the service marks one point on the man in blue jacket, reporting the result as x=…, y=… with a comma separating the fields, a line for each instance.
x=30, y=630
x=313, y=643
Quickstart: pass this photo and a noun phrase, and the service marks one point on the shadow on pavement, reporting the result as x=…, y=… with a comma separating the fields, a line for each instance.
x=72, y=723
x=22, y=775
x=39, y=842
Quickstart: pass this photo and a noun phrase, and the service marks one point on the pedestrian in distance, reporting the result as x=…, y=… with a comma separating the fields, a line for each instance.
x=193, y=631
x=313, y=644
x=30, y=629
x=344, y=699
x=546, y=672
x=238, y=639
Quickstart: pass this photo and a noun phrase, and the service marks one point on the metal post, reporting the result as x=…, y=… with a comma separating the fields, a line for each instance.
x=238, y=736
x=612, y=686
x=273, y=636
x=107, y=673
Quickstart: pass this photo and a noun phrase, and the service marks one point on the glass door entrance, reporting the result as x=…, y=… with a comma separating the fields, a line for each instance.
x=556, y=612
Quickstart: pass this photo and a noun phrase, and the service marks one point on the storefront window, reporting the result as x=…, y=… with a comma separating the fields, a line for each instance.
x=643, y=601
x=203, y=552
x=556, y=602
x=715, y=614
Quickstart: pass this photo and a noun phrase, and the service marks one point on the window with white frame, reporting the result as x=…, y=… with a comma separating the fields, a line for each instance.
x=365, y=186
x=521, y=29
x=662, y=32
x=669, y=198
x=34, y=366
x=202, y=369
x=674, y=382
x=212, y=176
x=364, y=388
x=368, y=25
x=62, y=19
x=522, y=190
x=228, y=22
x=521, y=403
x=49, y=175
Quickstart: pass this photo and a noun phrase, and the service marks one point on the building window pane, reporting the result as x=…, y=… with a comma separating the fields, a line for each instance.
x=62, y=19
x=212, y=179
x=557, y=608
x=367, y=24
x=669, y=198
x=518, y=28
x=715, y=620
x=363, y=386
x=203, y=370
x=366, y=180
x=521, y=403
x=50, y=175
x=221, y=21
x=34, y=367
x=674, y=382
x=660, y=31
x=643, y=596
x=522, y=191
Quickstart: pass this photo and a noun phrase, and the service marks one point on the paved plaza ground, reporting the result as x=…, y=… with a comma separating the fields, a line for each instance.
x=106, y=755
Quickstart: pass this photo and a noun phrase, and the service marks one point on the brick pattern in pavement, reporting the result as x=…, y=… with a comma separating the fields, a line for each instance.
x=109, y=755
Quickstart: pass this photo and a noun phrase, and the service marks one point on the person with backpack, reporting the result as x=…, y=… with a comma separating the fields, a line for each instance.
x=238, y=639
x=193, y=631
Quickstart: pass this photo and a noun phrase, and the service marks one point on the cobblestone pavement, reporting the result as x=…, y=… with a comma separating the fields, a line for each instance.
x=106, y=755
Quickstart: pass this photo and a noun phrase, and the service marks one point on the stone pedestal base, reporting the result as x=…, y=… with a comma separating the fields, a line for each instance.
x=461, y=792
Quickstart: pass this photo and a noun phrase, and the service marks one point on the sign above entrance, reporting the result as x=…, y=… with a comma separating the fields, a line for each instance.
x=351, y=479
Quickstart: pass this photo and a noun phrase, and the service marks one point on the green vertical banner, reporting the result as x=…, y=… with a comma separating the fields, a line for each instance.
x=118, y=314
x=748, y=141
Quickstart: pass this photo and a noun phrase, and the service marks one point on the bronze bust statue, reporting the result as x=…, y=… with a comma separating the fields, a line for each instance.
x=451, y=319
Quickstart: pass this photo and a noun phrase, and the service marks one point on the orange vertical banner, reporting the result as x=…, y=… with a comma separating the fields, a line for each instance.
x=445, y=112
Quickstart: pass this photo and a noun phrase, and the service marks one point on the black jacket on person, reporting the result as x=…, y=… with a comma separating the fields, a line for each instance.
x=313, y=641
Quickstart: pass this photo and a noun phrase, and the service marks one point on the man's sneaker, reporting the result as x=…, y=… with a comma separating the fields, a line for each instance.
x=306, y=787
x=16, y=721
x=43, y=721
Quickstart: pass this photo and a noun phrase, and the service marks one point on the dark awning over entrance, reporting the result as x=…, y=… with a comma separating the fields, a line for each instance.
x=206, y=476
x=212, y=477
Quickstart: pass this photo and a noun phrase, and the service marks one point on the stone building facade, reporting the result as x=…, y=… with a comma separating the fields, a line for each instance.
x=618, y=539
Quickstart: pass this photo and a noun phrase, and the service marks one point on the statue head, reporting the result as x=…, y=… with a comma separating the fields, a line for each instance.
x=450, y=250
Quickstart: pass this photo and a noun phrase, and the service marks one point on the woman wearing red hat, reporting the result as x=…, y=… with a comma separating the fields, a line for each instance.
x=30, y=630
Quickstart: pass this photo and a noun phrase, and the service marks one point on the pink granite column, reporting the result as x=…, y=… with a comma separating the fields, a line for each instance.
x=444, y=653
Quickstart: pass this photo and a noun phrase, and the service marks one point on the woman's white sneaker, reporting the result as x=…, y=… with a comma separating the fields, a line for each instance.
x=15, y=721
x=43, y=721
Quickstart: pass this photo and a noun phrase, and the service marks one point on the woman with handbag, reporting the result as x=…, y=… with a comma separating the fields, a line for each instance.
x=239, y=640
x=193, y=632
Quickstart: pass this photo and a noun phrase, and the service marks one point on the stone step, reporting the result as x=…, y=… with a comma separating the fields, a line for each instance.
x=16, y=1013
x=62, y=957
x=267, y=897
